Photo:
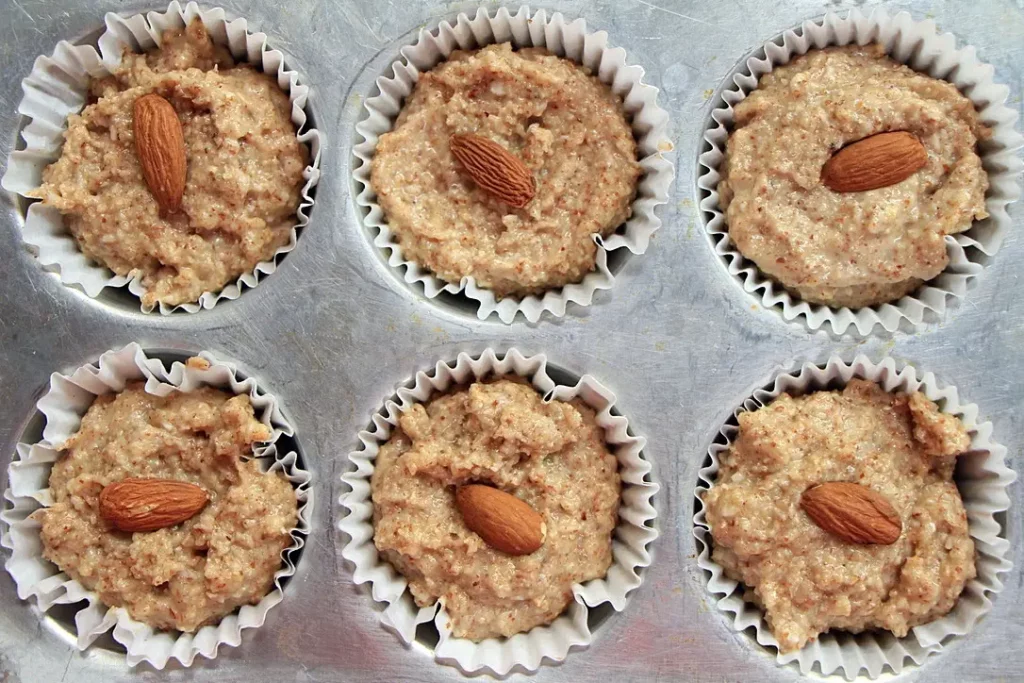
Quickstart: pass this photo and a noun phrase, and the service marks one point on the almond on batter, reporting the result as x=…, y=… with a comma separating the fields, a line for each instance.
x=552, y=456
x=243, y=182
x=808, y=580
x=194, y=573
x=851, y=249
x=562, y=123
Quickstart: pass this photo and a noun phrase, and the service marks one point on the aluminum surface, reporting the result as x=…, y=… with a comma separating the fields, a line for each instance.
x=334, y=331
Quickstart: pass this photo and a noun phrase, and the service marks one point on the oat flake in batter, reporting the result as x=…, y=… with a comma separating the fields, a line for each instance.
x=860, y=248
x=185, y=576
x=809, y=581
x=244, y=171
x=553, y=456
x=566, y=126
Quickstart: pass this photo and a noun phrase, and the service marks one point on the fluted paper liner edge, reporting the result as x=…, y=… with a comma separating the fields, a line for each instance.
x=919, y=45
x=633, y=534
x=982, y=476
x=63, y=406
x=56, y=87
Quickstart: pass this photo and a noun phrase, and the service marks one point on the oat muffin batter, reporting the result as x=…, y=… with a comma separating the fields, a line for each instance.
x=188, y=575
x=553, y=456
x=244, y=171
x=860, y=248
x=566, y=126
x=809, y=581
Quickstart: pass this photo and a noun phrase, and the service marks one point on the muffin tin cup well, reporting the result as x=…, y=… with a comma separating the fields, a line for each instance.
x=57, y=87
x=63, y=406
x=633, y=535
x=982, y=477
x=920, y=46
x=566, y=39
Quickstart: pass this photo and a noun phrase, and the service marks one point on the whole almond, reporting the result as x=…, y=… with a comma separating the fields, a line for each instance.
x=494, y=169
x=160, y=146
x=150, y=504
x=854, y=513
x=877, y=161
x=505, y=522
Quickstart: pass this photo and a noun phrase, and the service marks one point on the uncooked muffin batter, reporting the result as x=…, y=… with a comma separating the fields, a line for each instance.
x=566, y=126
x=244, y=171
x=553, y=456
x=196, y=572
x=809, y=581
x=860, y=248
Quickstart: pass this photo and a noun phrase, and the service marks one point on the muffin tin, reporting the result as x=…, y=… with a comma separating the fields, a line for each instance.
x=333, y=331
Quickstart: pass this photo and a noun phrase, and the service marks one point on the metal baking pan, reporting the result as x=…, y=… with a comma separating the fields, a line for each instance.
x=334, y=331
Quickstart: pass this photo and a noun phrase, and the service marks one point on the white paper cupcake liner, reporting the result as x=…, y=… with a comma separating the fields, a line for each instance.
x=920, y=46
x=982, y=477
x=566, y=39
x=63, y=406
x=633, y=534
x=57, y=86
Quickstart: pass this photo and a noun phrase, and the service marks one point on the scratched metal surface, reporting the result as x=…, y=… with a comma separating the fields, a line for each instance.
x=333, y=332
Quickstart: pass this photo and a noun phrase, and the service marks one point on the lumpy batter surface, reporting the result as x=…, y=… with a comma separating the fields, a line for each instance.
x=809, y=581
x=196, y=572
x=859, y=248
x=553, y=456
x=566, y=126
x=244, y=171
